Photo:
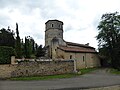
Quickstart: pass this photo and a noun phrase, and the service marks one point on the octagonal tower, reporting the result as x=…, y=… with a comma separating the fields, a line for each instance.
x=54, y=28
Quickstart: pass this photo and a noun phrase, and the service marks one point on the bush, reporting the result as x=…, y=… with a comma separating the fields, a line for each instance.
x=5, y=54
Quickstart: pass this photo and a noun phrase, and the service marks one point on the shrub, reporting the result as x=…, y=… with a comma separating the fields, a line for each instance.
x=5, y=54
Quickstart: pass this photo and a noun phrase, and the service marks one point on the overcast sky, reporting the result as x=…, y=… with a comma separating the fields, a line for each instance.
x=80, y=17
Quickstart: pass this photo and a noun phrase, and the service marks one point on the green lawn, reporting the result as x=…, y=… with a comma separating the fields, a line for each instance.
x=87, y=70
x=81, y=72
x=45, y=77
x=114, y=71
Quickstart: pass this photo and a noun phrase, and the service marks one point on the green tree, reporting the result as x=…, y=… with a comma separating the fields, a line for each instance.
x=5, y=54
x=32, y=45
x=40, y=51
x=27, y=54
x=7, y=37
x=18, y=44
x=109, y=38
x=22, y=48
x=29, y=47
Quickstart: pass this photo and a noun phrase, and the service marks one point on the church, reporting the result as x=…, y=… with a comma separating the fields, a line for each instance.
x=59, y=49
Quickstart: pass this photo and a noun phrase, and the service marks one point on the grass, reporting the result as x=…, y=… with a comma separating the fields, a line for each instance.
x=87, y=70
x=45, y=77
x=114, y=71
x=81, y=72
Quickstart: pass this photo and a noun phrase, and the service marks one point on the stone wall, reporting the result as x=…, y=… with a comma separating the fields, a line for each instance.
x=36, y=68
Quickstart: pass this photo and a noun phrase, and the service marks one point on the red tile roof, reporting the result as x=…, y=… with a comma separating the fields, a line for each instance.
x=79, y=45
x=77, y=49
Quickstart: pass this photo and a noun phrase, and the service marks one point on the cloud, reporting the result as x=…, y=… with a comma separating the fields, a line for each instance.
x=4, y=20
x=80, y=17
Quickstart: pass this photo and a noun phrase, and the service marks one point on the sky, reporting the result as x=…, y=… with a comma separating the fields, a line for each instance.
x=80, y=17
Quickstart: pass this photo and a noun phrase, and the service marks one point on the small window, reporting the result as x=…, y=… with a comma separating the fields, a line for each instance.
x=70, y=56
x=51, y=25
x=83, y=58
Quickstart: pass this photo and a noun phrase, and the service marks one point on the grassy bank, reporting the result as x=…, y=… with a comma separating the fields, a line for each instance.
x=114, y=71
x=80, y=72
x=87, y=70
x=46, y=77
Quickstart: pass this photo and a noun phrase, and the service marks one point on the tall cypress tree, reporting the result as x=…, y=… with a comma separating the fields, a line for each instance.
x=27, y=47
x=18, y=43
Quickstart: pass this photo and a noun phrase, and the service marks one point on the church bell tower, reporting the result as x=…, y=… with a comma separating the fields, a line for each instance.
x=54, y=28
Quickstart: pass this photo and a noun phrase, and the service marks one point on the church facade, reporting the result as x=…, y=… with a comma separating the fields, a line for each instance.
x=59, y=49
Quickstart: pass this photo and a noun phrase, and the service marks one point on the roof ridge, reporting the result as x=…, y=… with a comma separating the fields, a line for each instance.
x=77, y=44
x=76, y=49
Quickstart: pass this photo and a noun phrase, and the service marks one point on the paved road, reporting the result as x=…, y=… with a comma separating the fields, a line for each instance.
x=97, y=78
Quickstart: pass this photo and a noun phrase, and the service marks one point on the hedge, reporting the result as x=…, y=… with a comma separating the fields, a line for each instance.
x=5, y=54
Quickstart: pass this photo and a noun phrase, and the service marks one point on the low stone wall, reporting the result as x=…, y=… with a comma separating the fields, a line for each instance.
x=36, y=68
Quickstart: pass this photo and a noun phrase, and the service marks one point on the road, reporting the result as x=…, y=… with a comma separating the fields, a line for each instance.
x=98, y=78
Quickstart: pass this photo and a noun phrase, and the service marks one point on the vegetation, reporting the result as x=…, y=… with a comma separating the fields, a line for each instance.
x=87, y=70
x=18, y=44
x=40, y=51
x=114, y=71
x=46, y=77
x=109, y=38
x=5, y=54
x=7, y=37
x=30, y=47
x=27, y=49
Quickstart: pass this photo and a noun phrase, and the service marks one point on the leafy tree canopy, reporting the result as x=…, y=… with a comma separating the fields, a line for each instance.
x=109, y=37
x=7, y=38
x=40, y=51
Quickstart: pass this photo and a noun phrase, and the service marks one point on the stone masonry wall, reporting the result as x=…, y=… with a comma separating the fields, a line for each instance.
x=36, y=68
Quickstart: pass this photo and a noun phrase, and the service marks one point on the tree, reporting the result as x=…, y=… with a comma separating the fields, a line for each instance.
x=109, y=37
x=29, y=47
x=22, y=48
x=40, y=51
x=5, y=54
x=27, y=54
x=18, y=44
x=7, y=37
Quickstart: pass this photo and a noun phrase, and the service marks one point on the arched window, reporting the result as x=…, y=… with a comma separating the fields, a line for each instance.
x=70, y=56
x=83, y=58
x=51, y=25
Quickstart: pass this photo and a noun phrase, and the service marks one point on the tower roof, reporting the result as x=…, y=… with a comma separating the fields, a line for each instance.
x=55, y=20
